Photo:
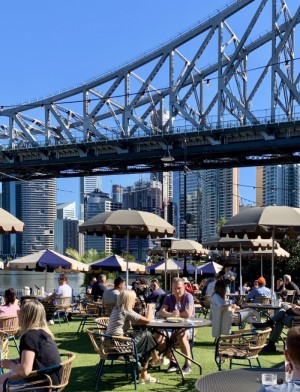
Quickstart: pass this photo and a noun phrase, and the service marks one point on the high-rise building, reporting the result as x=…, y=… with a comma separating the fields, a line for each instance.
x=34, y=203
x=94, y=203
x=220, y=198
x=88, y=185
x=66, y=210
x=281, y=185
x=166, y=179
x=117, y=193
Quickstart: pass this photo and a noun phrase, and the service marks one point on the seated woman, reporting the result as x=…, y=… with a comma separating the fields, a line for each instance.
x=10, y=308
x=37, y=347
x=222, y=312
x=120, y=320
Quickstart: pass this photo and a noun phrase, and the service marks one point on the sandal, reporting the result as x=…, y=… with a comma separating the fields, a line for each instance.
x=148, y=380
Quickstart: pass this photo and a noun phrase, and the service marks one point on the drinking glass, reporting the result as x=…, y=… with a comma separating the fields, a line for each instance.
x=269, y=379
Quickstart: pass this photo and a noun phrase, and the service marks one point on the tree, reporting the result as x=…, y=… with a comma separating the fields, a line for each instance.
x=88, y=257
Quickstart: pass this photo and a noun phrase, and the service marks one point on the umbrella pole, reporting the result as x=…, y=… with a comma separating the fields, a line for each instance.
x=272, y=272
x=241, y=283
x=127, y=263
x=261, y=265
x=166, y=258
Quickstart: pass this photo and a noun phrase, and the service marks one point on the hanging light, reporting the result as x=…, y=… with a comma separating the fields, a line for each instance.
x=208, y=82
x=167, y=157
x=287, y=64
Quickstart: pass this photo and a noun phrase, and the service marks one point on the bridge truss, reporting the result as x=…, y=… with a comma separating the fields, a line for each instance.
x=197, y=98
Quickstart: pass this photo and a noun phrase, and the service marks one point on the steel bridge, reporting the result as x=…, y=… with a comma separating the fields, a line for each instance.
x=197, y=101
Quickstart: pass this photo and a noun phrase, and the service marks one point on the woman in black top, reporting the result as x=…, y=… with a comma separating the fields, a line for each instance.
x=37, y=347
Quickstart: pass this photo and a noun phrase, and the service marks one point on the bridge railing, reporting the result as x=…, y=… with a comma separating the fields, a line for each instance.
x=179, y=127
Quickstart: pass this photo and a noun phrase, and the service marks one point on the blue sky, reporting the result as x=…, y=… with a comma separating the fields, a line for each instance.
x=48, y=46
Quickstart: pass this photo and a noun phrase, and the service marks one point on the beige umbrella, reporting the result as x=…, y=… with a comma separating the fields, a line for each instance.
x=181, y=247
x=129, y=223
x=9, y=223
x=276, y=221
x=242, y=244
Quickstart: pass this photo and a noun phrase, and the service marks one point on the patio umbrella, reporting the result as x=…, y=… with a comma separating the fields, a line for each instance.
x=240, y=244
x=181, y=247
x=116, y=263
x=209, y=268
x=9, y=223
x=48, y=260
x=129, y=223
x=172, y=266
x=275, y=220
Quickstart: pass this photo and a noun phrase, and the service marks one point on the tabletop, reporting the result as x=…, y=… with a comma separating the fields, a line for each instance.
x=261, y=306
x=237, y=380
x=186, y=323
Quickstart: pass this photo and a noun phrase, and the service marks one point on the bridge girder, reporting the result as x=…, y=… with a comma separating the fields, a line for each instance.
x=159, y=98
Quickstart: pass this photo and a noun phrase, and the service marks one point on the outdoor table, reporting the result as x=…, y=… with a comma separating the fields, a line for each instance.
x=176, y=328
x=246, y=380
x=262, y=308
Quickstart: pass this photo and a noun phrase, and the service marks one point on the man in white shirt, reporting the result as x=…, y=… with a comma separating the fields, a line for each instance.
x=63, y=290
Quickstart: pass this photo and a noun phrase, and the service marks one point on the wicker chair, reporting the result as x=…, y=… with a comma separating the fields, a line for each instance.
x=102, y=323
x=88, y=313
x=114, y=349
x=44, y=382
x=3, y=347
x=10, y=326
x=241, y=345
x=62, y=308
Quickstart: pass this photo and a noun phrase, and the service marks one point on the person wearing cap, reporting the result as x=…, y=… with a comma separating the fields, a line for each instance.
x=261, y=291
x=187, y=285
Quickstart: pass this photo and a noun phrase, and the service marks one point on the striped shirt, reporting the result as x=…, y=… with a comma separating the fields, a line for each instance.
x=120, y=321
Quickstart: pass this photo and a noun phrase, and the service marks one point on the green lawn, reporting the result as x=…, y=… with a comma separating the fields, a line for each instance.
x=83, y=372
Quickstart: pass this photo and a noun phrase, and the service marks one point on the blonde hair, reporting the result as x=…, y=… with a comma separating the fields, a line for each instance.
x=126, y=299
x=32, y=316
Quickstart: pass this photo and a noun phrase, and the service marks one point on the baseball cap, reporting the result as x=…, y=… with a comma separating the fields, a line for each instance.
x=261, y=280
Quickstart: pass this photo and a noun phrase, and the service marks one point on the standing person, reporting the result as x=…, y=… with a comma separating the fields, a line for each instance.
x=120, y=320
x=292, y=355
x=110, y=296
x=260, y=291
x=99, y=287
x=228, y=276
x=178, y=304
x=211, y=285
x=37, y=347
x=63, y=290
x=10, y=308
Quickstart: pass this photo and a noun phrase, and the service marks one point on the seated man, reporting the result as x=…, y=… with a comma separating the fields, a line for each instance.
x=99, y=287
x=156, y=291
x=277, y=322
x=63, y=290
x=110, y=296
x=178, y=304
x=287, y=286
x=261, y=290
x=292, y=355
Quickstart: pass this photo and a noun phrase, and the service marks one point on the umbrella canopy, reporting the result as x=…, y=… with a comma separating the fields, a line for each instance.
x=116, y=263
x=172, y=266
x=263, y=221
x=127, y=222
x=209, y=268
x=48, y=259
x=9, y=223
x=275, y=220
x=227, y=242
x=181, y=247
x=138, y=223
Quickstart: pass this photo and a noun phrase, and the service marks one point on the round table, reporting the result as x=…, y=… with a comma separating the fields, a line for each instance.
x=176, y=328
x=237, y=380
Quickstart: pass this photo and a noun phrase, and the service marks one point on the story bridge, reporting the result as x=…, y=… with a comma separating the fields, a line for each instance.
x=196, y=101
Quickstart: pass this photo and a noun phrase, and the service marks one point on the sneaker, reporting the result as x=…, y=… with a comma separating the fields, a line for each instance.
x=173, y=367
x=186, y=369
x=269, y=348
x=51, y=322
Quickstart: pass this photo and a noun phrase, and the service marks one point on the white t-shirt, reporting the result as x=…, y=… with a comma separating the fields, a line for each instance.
x=64, y=291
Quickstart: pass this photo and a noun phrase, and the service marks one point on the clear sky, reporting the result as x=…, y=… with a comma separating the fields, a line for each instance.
x=48, y=46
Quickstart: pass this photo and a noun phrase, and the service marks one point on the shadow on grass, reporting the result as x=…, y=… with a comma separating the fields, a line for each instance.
x=72, y=341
